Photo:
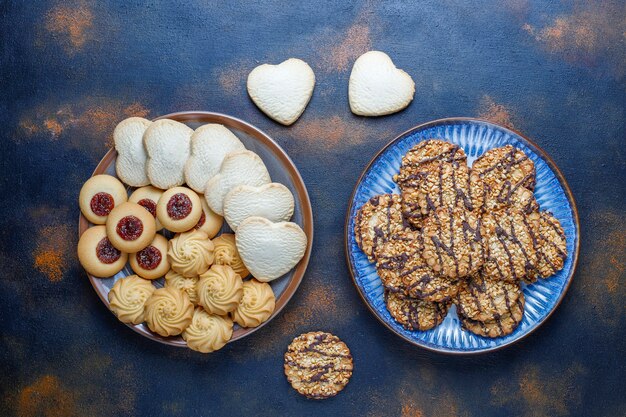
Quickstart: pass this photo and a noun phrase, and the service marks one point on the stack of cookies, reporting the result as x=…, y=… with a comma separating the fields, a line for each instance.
x=460, y=235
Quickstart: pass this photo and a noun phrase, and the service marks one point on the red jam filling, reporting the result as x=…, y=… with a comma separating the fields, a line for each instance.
x=102, y=204
x=129, y=228
x=201, y=221
x=149, y=258
x=106, y=253
x=148, y=205
x=179, y=206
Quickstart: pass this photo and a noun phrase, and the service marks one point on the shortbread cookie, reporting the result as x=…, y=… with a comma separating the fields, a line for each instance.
x=272, y=201
x=128, y=297
x=97, y=255
x=318, y=365
x=151, y=262
x=501, y=326
x=130, y=227
x=270, y=250
x=485, y=299
x=550, y=243
x=219, y=290
x=167, y=145
x=257, y=304
x=453, y=244
x=238, y=168
x=376, y=221
x=210, y=222
x=130, y=164
x=415, y=314
x=282, y=91
x=377, y=87
x=99, y=196
x=187, y=284
x=226, y=253
x=208, y=332
x=191, y=253
x=179, y=209
x=148, y=197
x=210, y=144
x=168, y=311
x=510, y=253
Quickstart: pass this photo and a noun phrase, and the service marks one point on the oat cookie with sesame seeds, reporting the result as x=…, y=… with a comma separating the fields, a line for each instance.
x=318, y=365
x=550, y=244
x=376, y=220
x=484, y=299
x=414, y=314
x=501, y=326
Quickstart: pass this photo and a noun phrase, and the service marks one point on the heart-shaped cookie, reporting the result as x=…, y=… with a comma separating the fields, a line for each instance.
x=282, y=91
x=272, y=201
x=377, y=87
x=269, y=250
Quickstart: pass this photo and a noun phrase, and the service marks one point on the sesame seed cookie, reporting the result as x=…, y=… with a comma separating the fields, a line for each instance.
x=414, y=314
x=378, y=219
x=501, y=326
x=550, y=244
x=485, y=299
x=318, y=365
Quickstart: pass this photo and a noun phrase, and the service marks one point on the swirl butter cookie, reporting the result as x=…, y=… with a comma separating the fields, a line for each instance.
x=376, y=221
x=210, y=222
x=128, y=297
x=257, y=304
x=97, y=255
x=501, y=326
x=208, y=332
x=415, y=314
x=99, y=196
x=179, y=209
x=226, y=253
x=183, y=283
x=550, y=244
x=148, y=197
x=130, y=227
x=151, y=262
x=219, y=290
x=168, y=311
x=191, y=253
x=484, y=299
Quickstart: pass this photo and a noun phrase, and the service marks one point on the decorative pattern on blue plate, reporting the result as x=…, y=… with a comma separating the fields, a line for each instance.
x=551, y=192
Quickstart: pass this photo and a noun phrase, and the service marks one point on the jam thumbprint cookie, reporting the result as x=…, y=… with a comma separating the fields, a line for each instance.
x=151, y=262
x=148, y=197
x=210, y=222
x=179, y=209
x=97, y=255
x=99, y=196
x=130, y=227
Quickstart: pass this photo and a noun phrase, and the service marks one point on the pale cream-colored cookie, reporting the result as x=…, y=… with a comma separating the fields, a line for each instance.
x=257, y=304
x=148, y=197
x=208, y=332
x=128, y=297
x=187, y=284
x=226, y=253
x=151, y=262
x=210, y=222
x=179, y=209
x=168, y=311
x=220, y=290
x=97, y=255
x=191, y=253
x=130, y=227
x=99, y=196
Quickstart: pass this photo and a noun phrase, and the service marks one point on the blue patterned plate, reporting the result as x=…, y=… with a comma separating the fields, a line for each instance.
x=552, y=194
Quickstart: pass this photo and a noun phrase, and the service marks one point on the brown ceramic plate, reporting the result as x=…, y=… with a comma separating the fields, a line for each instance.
x=281, y=169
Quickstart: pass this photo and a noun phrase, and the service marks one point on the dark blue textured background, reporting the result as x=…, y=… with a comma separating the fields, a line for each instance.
x=69, y=71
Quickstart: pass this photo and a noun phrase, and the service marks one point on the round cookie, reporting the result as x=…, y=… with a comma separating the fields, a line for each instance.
x=187, y=284
x=415, y=314
x=219, y=290
x=130, y=227
x=191, y=253
x=318, y=365
x=453, y=244
x=179, y=209
x=550, y=244
x=510, y=252
x=208, y=332
x=485, y=299
x=257, y=304
x=376, y=221
x=97, y=255
x=128, y=297
x=168, y=311
x=226, y=253
x=148, y=197
x=99, y=196
x=502, y=326
x=210, y=222
x=151, y=262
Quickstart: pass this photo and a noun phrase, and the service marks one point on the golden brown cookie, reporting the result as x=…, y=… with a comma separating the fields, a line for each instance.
x=485, y=299
x=128, y=297
x=99, y=196
x=130, y=227
x=501, y=326
x=168, y=311
x=181, y=282
x=318, y=365
x=191, y=253
x=226, y=253
x=148, y=197
x=376, y=221
x=210, y=222
x=550, y=244
x=415, y=314
x=97, y=255
x=257, y=304
x=219, y=290
x=179, y=209
x=208, y=332
x=151, y=262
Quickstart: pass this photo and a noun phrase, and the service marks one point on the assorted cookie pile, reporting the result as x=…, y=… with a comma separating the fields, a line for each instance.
x=460, y=235
x=206, y=289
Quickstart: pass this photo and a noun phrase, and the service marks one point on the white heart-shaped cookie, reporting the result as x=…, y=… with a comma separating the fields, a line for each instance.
x=282, y=91
x=131, y=155
x=269, y=250
x=272, y=201
x=167, y=144
x=377, y=87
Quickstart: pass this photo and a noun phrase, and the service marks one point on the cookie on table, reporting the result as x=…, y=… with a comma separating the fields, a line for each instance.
x=208, y=332
x=510, y=251
x=151, y=262
x=318, y=365
x=376, y=221
x=179, y=209
x=97, y=255
x=453, y=244
x=168, y=311
x=499, y=327
x=148, y=197
x=99, y=196
x=415, y=314
x=219, y=290
x=484, y=299
x=550, y=243
x=130, y=227
x=128, y=297
x=257, y=304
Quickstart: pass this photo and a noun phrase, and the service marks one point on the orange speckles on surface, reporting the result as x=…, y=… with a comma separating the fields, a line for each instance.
x=340, y=56
x=53, y=251
x=232, y=78
x=410, y=410
x=46, y=397
x=319, y=303
x=328, y=133
x=54, y=127
x=494, y=112
x=70, y=25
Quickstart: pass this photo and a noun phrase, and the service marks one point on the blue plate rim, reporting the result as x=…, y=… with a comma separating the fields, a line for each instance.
x=541, y=153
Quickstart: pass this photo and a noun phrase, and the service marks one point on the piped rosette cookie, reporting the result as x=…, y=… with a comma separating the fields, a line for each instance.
x=257, y=304
x=219, y=290
x=191, y=253
x=183, y=283
x=128, y=297
x=168, y=311
x=226, y=253
x=208, y=332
